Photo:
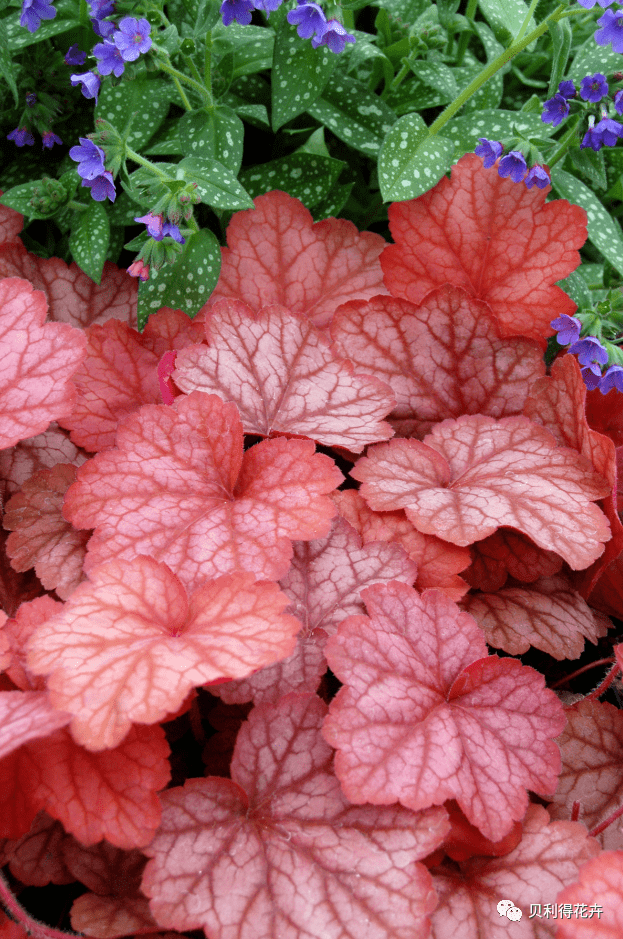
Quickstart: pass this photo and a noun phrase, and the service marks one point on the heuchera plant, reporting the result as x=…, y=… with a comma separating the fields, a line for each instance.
x=353, y=458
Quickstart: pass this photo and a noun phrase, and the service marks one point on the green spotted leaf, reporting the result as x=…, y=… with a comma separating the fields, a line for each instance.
x=166, y=142
x=332, y=204
x=89, y=240
x=436, y=75
x=185, y=285
x=488, y=95
x=7, y=68
x=505, y=17
x=299, y=74
x=494, y=125
x=355, y=115
x=591, y=58
x=411, y=161
x=216, y=185
x=603, y=231
x=306, y=176
x=17, y=37
x=145, y=98
x=213, y=134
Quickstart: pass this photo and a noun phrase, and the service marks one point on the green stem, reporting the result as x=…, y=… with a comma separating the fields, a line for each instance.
x=493, y=67
x=207, y=63
x=182, y=94
x=526, y=22
x=470, y=13
x=170, y=70
x=562, y=147
x=77, y=206
x=132, y=155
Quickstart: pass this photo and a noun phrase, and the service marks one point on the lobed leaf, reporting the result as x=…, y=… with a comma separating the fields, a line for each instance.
x=600, y=879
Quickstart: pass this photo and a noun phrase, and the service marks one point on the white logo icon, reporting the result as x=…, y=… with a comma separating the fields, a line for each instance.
x=507, y=908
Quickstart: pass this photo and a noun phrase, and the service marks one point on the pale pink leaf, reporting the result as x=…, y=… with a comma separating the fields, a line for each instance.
x=282, y=375
x=475, y=474
x=438, y=562
x=180, y=488
x=38, y=360
x=26, y=715
x=277, y=254
x=277, y=850
x=548, y=856
x=130, y=644
x=41, y=538
x=442, y=359
x=599, y=886
x=548, y=614
x=425, y=716
x=324, y=585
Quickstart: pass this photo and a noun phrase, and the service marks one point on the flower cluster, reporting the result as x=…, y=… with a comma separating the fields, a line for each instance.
x=593, y=89
x=308, y=18
x=90, y=159
x=36, y=114
x=592, y=355
x=513, y=164
x=129, y=41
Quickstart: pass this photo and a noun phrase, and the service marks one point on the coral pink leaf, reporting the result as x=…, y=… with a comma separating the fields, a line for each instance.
x=180, y=489
x=29, y=456
x=599, y=890
x=324, y=585
x=591, y=746
x=118, y=375
x=475, y=474
x=424, y=716
x=558, y=402
x=280, y=372
x=26, y=715
x=498, y=241
x=548, y=614
x=438, y=562
x=41, y=538
x=548, y=856
x=442, y=359
x=38, y=361
x=11, y=224
x=277, y=254
x=18, y=631
x=277, y=850
x=112, y=916
x=130, y=644
x=508, y=552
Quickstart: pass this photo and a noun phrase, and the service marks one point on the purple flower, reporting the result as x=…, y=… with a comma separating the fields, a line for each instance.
x=132, y=38
x=610, y=131
x=31, y=99
x=591, y=377
x=611, y=31
x=513, y=165
x=590, y=352
x=589, y=4
x=593, y=88
x=613, y=378
x=89, y=157
x=238, y=10
x=618, y=101
x=308, y=18
x=101, y=187
x=108, y=59
x=49, y=139
x=101, y=8
x=75, y=56
x=489, y=150
x=21, y=137
x=537, y=176
x=103, y=28
x=173, y=232
x=33, y=11
x=335, y=36
x=567, y=89
x=153, y=223
x=568, y=329
x=90, y=84
x=555, y=110
x=268, y=6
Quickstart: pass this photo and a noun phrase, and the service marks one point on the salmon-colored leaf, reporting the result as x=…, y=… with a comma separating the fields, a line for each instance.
x=277, y=850
x=11, y=224
x=601, y=880
x=36, y=453
x=130, y=644
x=41, y=538
x=180, y=488
x=500, y=242
x=277, y=254
x=324, y=585
x=508, y=552
x=472, y=475
x=26, y=715
x=438, y=562
x=280, y=372
x=425, y=716
x=591, y=746
x=18, y=631
x=38, y=361
x=442, y=359
x=547, y=857
x=548, y=614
